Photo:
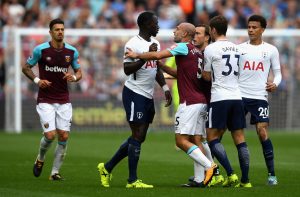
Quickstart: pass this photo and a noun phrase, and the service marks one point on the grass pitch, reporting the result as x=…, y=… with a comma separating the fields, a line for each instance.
x=160, y=164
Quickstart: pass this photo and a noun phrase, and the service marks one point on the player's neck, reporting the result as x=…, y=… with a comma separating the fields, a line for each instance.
x=145, y=36
x=57, y=45
x=221, y=37
x=203, y=46
x=256, y=42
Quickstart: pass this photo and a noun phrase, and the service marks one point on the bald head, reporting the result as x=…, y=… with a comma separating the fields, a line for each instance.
x=189, y=28
x=184, y=32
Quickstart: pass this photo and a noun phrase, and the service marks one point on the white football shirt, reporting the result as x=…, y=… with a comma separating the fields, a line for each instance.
x=221, y=59
x=143, y=81
x=255, y=64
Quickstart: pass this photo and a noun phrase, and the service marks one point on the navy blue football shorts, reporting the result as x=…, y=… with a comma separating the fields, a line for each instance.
x=227, y=114
x=259, y=110
x=138, y=108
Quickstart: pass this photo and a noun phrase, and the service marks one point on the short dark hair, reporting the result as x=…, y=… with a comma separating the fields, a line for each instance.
x=206, y=31
x=260, y=19
x=55, y=21
x=220, y=23
x=145, y=18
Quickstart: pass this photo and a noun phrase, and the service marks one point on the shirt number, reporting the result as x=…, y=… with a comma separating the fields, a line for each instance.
x=229, y=65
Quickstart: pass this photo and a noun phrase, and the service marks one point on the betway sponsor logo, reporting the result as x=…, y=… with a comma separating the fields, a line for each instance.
x=56, y=69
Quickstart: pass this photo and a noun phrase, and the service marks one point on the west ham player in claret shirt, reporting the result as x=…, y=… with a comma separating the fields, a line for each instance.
x=256, y=60
x=54, y=58
x=191, y=113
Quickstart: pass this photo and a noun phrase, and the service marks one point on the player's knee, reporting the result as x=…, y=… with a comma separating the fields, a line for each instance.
x=50, y=136
x=262, y=133
x=63, y=137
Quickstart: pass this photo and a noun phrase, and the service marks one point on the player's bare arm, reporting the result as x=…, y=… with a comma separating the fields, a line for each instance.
x=73, y=77
x=167, y=69
x=161, y=81
x=132, y=67
x=148, y=55
x=26, y=69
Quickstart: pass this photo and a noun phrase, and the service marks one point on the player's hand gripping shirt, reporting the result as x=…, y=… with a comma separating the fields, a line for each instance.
x=255, y=64
x=52, y=64
x=221, y=59
x=142, y=81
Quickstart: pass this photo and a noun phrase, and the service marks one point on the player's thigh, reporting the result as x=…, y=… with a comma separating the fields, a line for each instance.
x=46, y=113
x=187, y=118
x=236, y=118
x=201, y=121
x=259, y=110
x=64, y=116
x=217, y=115
x=137, y=107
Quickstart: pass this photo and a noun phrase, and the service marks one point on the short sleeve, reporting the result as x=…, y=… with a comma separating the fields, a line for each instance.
x=179, y=49
x=36, y=55
x=127, y=46
x=75, y=62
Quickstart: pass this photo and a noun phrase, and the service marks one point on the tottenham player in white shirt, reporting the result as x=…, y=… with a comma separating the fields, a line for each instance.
x=138, y=100
x=256, y=60
x=226, y=108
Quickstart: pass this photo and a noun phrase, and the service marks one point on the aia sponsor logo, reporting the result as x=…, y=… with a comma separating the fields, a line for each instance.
x=254, y=66
x=150, y=64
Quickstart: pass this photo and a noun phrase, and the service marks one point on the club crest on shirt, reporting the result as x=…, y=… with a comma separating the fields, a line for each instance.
x=139, y=115
x=264, y=54
x=67, y=58
x=173, y=46
x=46, y=125
x=48, y=58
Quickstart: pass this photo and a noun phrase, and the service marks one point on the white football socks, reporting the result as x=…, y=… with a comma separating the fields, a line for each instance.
x=59, y=156
x=45, y=144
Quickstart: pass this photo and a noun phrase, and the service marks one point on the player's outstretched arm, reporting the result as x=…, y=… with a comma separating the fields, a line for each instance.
x=148, y=55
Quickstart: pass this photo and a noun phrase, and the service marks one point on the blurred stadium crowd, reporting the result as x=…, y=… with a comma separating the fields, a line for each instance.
x=97, y=53
x=123, y=13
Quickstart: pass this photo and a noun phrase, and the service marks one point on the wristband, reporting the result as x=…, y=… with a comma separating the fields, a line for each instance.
x=36, y=80
x=165, y=87
x=74, y=77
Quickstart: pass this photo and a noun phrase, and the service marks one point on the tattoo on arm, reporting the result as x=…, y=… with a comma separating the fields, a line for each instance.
x=26, y=69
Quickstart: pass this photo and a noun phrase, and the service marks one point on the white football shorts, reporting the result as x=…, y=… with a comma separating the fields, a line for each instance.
x=190, y=119
x=55, y=116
